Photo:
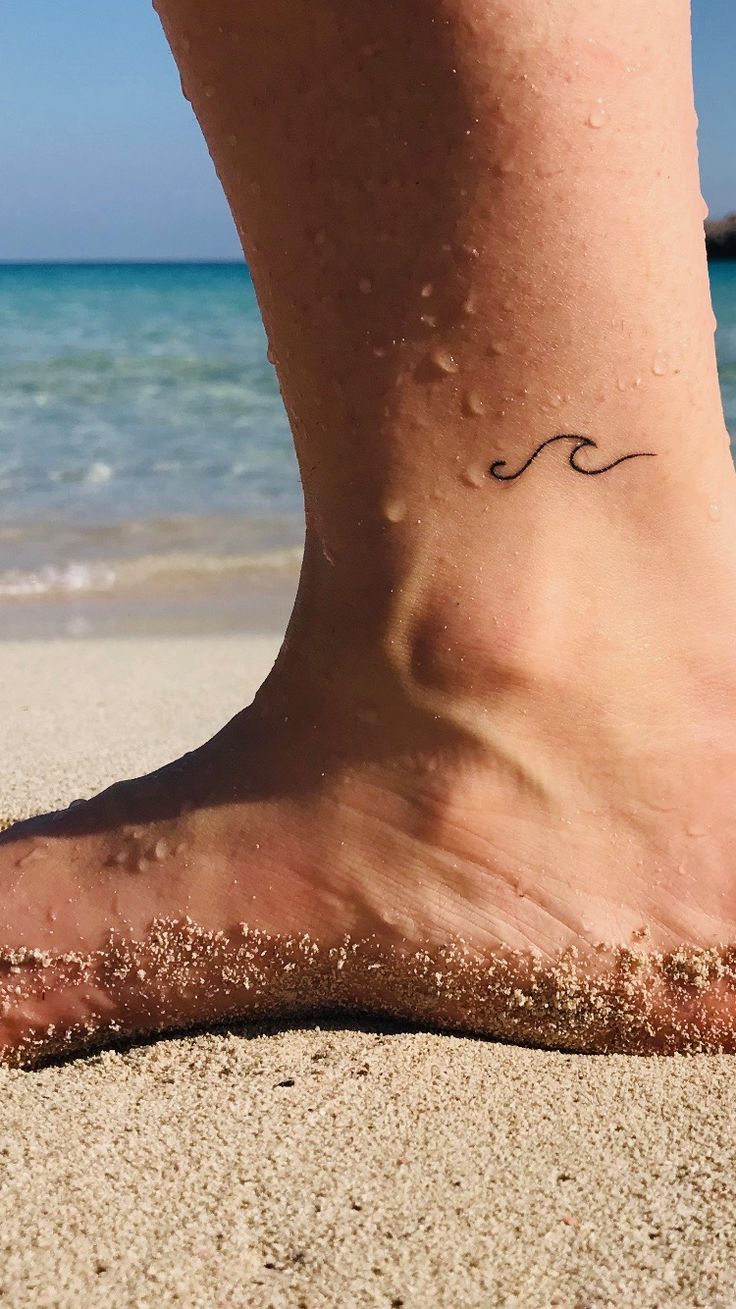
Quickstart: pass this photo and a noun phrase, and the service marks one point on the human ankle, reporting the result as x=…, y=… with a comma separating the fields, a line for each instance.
x=533, y=643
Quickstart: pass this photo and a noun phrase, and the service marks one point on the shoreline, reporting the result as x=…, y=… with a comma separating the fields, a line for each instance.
x=228, y=605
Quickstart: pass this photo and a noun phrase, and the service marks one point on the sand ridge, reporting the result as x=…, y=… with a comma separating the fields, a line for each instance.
x=329, y=1164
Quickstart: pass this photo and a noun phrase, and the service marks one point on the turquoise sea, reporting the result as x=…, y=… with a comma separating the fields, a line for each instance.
x=143, y=443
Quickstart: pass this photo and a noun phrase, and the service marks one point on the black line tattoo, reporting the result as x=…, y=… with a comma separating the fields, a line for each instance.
x=581, y=442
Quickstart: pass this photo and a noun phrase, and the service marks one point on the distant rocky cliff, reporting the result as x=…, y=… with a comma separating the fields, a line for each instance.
x=720, y=238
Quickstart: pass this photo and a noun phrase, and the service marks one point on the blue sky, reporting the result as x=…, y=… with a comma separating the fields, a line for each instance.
x=100, y=157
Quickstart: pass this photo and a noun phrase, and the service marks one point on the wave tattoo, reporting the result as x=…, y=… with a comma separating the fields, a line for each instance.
x=581, y=442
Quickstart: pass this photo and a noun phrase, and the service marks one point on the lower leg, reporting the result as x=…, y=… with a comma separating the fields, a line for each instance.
x=457, y=265
x=496, y=749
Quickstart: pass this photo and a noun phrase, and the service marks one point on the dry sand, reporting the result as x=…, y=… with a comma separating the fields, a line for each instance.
x=329, y=1166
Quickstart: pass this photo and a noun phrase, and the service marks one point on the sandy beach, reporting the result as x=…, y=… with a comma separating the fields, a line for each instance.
x=328, y=1165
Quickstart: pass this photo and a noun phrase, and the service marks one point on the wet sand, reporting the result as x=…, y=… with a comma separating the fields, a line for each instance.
x=333, y=1165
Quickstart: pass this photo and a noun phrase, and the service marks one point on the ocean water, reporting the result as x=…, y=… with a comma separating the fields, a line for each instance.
x=723, y=288
x=142, y=434
x=143, y=442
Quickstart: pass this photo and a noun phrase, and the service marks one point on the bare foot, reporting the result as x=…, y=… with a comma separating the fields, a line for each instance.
x=375, y=857
x=490, y=783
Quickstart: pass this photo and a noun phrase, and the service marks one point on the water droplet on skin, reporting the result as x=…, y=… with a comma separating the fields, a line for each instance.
x=429, y=320
x=469, y=305
x=209, y=91
x=161, y=850
x=471, y=251
x=497, y=348
x=473, y=404
x=379, y=352
x=444, y=361
x=270, y=355
x=427, y=290
x=142, y=865
x=232, y=139
x=598, y=116
x=320, y=237
x=121, y=857
x=473, y=475
x=556, y=401
x=365, y=285
x=660, y=366
x=622, y=384
x=186, y=44
x=693, y=830
x=395, y=510
x=714, y=513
